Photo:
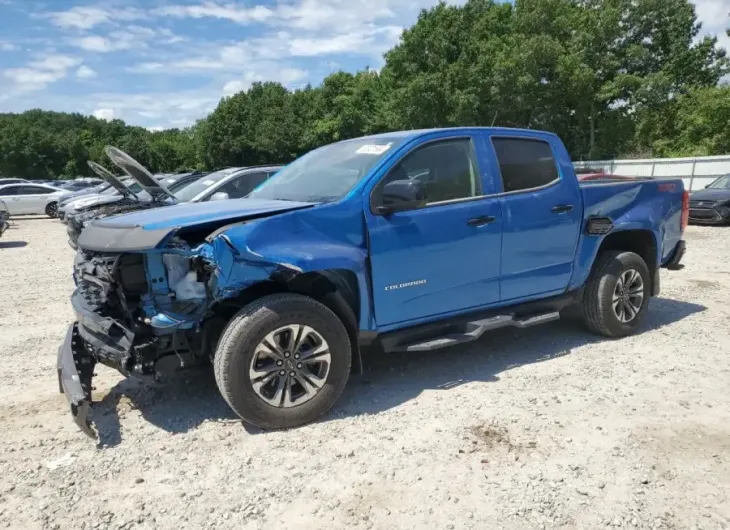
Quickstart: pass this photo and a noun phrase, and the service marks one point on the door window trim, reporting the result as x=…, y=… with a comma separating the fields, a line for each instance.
x=499, y=166
x=470, y=138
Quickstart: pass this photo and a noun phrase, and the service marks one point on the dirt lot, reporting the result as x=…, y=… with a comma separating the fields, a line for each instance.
x=544, y=428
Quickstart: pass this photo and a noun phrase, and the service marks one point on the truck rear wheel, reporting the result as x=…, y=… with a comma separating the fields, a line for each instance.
x=282, y=361
x=617, y=294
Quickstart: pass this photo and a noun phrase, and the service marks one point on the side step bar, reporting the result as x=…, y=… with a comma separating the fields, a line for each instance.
x=474, y=330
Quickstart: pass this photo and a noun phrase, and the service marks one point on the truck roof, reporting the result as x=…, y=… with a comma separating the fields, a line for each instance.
x=421, y=132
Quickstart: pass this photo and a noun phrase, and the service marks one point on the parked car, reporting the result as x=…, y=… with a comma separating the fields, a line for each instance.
x=142, y=200
x=27, y=198
x=412, y=240
x=130, y=193
x=711, y=206
x=187, y=187
x=109, y=195
x=70, y=196
x=4, y=181
x=79, y=185
x=229, y=183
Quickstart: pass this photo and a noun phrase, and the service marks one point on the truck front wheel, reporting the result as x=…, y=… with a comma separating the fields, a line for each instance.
x=282, y=361
x=617, y=294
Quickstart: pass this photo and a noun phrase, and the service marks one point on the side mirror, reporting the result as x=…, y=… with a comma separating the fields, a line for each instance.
x=401, y=195
x=219, y=196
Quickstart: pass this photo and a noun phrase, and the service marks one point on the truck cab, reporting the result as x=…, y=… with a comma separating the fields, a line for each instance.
x=408, y=241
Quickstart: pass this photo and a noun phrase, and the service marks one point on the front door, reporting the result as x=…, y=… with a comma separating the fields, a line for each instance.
x=445, y=257
x=542, y=219
x=9, y=195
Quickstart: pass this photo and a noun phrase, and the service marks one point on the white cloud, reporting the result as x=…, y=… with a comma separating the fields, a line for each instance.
x=104, y=114
x=86, y=17
x=38, y=74
x=129, y=38
x=7, y=47
x=715, y=18
x=84, y=72
x=93, y=43
x=169, y=108
x=240, y=15
x=234, y=87
x=285, y=76
x=372, y=42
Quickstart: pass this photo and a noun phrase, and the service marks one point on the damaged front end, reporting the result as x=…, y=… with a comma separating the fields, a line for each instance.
x=149, y=313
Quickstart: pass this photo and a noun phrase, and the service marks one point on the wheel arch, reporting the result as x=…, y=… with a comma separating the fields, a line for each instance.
x=335, y=288
x=642, y=242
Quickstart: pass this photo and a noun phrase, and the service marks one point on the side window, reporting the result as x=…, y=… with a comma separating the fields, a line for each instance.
x=33, y=190
x=243, y=185
x=10, y=190
x=525, y=164
x=447, y=169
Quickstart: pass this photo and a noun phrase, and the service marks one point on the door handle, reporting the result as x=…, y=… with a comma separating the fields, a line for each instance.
x=481, y=220
x=562, y=208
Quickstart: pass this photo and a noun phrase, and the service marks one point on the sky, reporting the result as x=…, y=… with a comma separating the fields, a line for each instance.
x=166, y=63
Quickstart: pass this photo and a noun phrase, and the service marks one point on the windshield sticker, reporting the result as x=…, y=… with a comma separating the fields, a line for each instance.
x=373, y=149
x=209, y=182
x=170, y=181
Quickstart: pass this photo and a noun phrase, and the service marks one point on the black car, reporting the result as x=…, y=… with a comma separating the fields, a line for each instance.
x=711, y=206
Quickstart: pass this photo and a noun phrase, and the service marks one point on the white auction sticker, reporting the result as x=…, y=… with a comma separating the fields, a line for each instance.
x=373, y=149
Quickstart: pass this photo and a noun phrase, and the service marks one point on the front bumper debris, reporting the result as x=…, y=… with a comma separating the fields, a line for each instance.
x=75, y=370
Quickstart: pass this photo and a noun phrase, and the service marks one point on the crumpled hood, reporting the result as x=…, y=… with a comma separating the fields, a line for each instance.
x=146, y=229
x=714, y=195
x=191, y=214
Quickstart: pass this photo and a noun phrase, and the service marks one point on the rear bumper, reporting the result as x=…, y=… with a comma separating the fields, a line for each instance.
x=75, y=368
x=673, y=263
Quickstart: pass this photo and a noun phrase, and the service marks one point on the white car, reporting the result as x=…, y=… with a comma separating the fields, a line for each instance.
x=28, y=198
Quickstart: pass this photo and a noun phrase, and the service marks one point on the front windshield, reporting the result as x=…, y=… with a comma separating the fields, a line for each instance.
x=721, y=183
x=328, y=173
x=188, y=193
x=178, y=185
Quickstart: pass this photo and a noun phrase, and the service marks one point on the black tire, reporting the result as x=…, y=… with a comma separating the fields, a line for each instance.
x=248, y=328
x=52, y=210
x=597, y=311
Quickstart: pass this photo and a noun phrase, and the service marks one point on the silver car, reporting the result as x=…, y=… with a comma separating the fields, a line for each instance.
x=28, y=198
x=229, y=183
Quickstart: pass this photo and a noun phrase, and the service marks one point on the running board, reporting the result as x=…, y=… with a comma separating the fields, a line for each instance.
x=474, y=330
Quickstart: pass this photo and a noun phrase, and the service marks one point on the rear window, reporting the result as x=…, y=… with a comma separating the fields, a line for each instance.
x=525, y=164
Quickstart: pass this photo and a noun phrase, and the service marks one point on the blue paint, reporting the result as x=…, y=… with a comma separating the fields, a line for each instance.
x=527, y=253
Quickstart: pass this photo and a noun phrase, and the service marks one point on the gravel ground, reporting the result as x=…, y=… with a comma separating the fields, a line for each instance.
x=543, y=428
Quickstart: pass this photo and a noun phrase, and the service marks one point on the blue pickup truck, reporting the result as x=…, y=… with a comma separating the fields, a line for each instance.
x=404, y=241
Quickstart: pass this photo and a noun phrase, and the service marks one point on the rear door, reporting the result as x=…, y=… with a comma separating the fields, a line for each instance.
x=542, y=217
x=445, y=257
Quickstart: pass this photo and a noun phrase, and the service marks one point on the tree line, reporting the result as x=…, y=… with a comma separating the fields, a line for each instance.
x=614, y=78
